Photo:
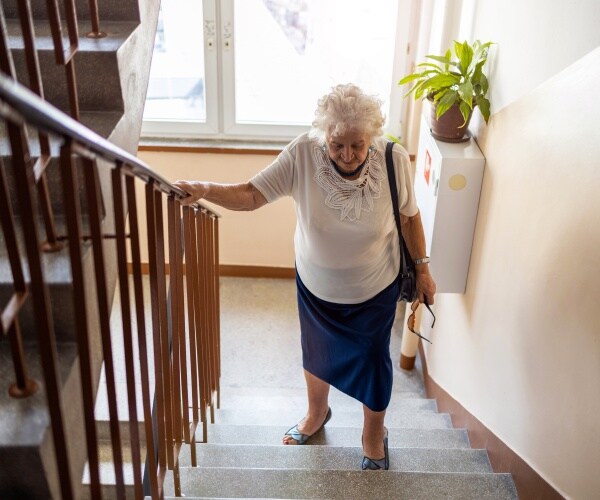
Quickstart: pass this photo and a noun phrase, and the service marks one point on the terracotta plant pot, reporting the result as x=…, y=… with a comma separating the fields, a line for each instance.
x=448, y=127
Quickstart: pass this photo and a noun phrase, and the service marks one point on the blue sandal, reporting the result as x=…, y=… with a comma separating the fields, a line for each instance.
x=300, y=438
x=382, y=463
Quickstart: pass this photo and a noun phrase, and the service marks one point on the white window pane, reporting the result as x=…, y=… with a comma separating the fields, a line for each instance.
x=288, y=53
x=176, y=89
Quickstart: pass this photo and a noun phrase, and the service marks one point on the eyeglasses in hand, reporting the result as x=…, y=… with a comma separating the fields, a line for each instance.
x=411, y=319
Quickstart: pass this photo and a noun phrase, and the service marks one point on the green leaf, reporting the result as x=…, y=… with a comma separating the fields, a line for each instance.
x=448, y=97
x=447, y=100
x=483, y=81
x=419, y=89
x=441, y=109
x=439, y=95
x=465, y=90
x=435, y=84
x=464, y=52
x=480, y=53
x=457, y=49
x=445, y=60
x=484, y=107
x=414, y=76
x=393, y=138
x=442, y=81
x=465, y=111
x=430, y=65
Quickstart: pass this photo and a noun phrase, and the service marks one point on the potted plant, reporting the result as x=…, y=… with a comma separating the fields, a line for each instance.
x=454, y=88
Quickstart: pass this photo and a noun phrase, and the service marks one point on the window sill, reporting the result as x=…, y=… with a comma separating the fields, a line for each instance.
x=162, y=144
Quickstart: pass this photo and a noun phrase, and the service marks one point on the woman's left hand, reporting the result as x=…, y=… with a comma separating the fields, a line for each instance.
x=425, y=287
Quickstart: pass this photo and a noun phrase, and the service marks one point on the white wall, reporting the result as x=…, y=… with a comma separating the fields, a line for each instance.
x=535, y=40
x=521, y=348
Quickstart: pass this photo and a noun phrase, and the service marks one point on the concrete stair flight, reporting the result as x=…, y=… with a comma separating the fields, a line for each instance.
x=244, y=457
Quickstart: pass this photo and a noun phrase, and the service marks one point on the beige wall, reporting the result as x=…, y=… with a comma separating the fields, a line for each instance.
x=261, y=238
x=521, y=348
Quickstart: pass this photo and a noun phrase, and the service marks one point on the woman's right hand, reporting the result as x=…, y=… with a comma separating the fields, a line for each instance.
x=196, y=190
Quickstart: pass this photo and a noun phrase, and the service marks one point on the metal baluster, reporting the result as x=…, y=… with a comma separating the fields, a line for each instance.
x=191, y=269
x=217, y=306
x=95, y=18
x=127, y=333
x=164, y=329
x=151, y=457
x=95, y=219
x=210, y=311
x=202, y=338
x=73, y=218
x=9, y=323
x=181, y=314
x=174, y=229
x=160, y=386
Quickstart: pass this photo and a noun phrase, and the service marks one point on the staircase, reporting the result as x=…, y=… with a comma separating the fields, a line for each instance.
x=262, y=387
x=112, y=74
x=262, y=396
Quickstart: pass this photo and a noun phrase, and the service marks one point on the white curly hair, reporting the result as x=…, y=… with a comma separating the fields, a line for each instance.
x=347, y=108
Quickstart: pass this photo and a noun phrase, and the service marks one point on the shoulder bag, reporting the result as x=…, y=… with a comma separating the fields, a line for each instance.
x=407, y=276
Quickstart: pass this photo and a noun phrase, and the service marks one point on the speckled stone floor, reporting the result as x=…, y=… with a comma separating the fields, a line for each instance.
x=260, y=337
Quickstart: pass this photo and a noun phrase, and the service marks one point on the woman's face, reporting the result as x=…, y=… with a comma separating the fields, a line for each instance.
x=348, y=150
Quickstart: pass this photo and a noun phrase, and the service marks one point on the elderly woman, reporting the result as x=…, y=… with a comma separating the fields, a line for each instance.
x=347, y=255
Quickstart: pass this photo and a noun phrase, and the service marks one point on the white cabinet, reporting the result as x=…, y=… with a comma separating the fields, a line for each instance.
x=448, y=181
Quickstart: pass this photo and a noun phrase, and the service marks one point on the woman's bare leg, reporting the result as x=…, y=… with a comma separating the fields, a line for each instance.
x=373, y=432
x=318, y=393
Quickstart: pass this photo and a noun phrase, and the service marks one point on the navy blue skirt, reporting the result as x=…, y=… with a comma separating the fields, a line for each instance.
x=348, y=345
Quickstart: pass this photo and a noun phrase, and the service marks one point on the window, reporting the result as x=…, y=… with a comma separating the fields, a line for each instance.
x=252, y=69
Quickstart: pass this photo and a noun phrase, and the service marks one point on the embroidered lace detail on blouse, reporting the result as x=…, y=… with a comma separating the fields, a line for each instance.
x=350, y=197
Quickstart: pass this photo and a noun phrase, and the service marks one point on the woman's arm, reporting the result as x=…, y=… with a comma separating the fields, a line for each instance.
x=412, y=230
x=231, y=196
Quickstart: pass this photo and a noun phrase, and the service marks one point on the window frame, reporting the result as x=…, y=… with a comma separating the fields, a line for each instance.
x=219, y=57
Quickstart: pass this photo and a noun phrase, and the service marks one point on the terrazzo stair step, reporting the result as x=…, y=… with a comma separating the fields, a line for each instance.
x=96, y=90
x=57, y=273
x=341, y=403
x=228, y=393
x=108, y=9
x=287, y=418
x=26, y=448
x=288, y=483
x=101, y=122
x=107, y=471
x=334, y=458
x=336, y=436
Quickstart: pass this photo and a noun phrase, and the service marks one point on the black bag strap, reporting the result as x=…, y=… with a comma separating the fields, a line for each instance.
x=389, y=162
x=405, y=257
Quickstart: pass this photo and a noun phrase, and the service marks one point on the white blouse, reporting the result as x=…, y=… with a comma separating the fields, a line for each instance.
x=346, y=242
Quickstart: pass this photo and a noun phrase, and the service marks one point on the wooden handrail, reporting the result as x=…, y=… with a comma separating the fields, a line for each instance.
x=51, y=120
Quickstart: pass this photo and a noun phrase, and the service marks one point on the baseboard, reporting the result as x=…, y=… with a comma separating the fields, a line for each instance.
x=238, y=271
x=257, y=271
x=530, y=485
